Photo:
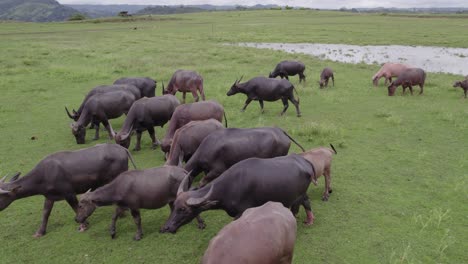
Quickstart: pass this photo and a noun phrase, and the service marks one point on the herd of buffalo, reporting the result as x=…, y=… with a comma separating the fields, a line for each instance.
x=247, y=171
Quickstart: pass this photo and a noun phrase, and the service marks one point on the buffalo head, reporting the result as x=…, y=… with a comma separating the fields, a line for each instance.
x=234, y=88
x=79, y=131
x=86, y=207
x=457, y=84
x=123, y=139
x=8, y=191
x=391, y=89
x=271, y=75
x=375, y=81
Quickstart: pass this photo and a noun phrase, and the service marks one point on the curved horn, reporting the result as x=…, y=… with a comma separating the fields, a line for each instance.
x=240, y=79
x=68, y=113
x=199, y=201
x=15, y=177
x=3, y=191
x=3, y=179
x=184, y=185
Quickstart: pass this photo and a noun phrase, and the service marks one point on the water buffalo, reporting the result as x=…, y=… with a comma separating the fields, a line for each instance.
x=145, y=114
x=147, y=86
x=389, y=70
x=289, y=68
x=272, y=225
x=266, y=89
x=408, y=78
x=138, y=189
x=191, y=112
x=99, y=109
x=249, y=183
x=188, y=138
x=326, y=74
x=223, y=148
x=322, y=158
x=100, y=90
x=462, y=84
x=185, y=81
x=65, y=174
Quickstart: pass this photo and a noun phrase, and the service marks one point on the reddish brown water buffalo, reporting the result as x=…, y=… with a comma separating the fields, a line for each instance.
x=99, y=109
x=249, y=183
x=326, y=74
x=191, y=112
x=63, y=175
x=266, y=89
x=388, y=71
x=145, y=114
x=185, y=81
x=138, y=189
x=407, y=79
x=223, y=148
x=147, y=86
x=462, y=84
x=264, y=234
x=322, y=158
x=188, y=138
x=289, y=68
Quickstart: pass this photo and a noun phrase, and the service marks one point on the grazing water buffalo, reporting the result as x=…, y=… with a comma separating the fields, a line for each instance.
x=145, y=114
x=322, y=158
x=188, y=138
x=388, y=71
x=65, y=174
x=99, y=109
x=185, y=81
x=249, y=183
x=100, y=90
x=272, y=225
x=326, y=74
x=462, y=84
x=408, y=78
x=191, y=112
x=147, y=86
x=223, y=148
x=139, y=189
x=266, y=89
x=289, y=68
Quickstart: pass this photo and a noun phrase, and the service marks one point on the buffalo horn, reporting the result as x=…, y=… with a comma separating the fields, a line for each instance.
x=3, y=191
x=3, y=179
x=240, y=79
x=198, y=201
x=184, y=185
x=15, y=177
x=68, y=113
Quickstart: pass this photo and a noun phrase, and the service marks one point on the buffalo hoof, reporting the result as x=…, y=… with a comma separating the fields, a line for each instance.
x=201, y=225
x=299, y=115
x=155, y=146
x=242, y=110
x=95, y=138
x=136, y=149
x=308, y=222
x=113, y=235
x=137, y=237
x=324, y=198
x=38, y=234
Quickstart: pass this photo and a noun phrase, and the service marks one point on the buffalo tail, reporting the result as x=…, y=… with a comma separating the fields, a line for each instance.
x=225, y=119
x=333, y=148
x=295, y=142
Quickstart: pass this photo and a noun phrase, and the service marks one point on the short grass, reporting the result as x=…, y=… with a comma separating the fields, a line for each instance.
x=399, y=180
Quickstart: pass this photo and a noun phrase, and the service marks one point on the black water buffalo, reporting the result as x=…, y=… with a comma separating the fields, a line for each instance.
x=289, y=68
x=188, y=138
x=138, y=189
x=249, y=183
x=407, y=79
x=223, y=148
x=326, y=74
x=147, y=86
x=100, y=90
x=99, y=109
x=145, y=114
x=272, y=225
x=63, y=175
x=462, y=84
x=266, y=89
x=185, y=81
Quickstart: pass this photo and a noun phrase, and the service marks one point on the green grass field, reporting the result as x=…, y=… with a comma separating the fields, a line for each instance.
x=399, y=179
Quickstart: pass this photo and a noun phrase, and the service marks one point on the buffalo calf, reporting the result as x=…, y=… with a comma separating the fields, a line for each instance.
x=462, y=84
x=289, y=68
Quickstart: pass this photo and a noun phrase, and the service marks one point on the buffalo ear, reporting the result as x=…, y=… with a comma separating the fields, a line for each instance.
x=15, y=177
x=208, y=204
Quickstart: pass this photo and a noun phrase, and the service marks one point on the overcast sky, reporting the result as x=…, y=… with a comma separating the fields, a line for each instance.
x=305, y=3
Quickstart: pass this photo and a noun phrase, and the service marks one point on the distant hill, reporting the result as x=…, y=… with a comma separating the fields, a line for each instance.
x=95, y=11
x=162, y=10
x=34, y=10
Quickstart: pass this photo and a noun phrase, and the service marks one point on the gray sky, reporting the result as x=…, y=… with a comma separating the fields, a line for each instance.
x=305, y=3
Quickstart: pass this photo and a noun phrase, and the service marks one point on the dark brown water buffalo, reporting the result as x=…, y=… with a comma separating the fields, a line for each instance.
x=147, y=86
x=100, y=90
x=273, y=228
x=191, y=112
x=266, y=89
x=145, y=114
x=289, y=68
x=321, y=158
x=63, y=175
x=138, y=189
x=249, y=183
x=223, y=148
x=388, y=71
x=407, y=79
x=185, y=81
x=462, y=84
x=326, y=74
x=99, y=109
x=188, y=138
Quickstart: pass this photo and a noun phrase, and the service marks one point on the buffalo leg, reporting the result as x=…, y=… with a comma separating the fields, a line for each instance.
x=333, y=80
x=286, y=105
x=138, y=138
x=96, y=134
x=48, y=204
x=200, y=223
x=296, y=104
x=73, y=202
x=183, y=97
x=308, y=209
x=404, y=89
x=261, y=106
x=295, y=208
x=301, y=77
x=195, y=95
x=247, y=102
x=118, y=213
x=465, y=91
x=154, y=140
x=422, y=88
x=326, y=193
x=411, y=89
x=390, y=79
x=109, y=129
x=137, y=219
x=326, y=81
